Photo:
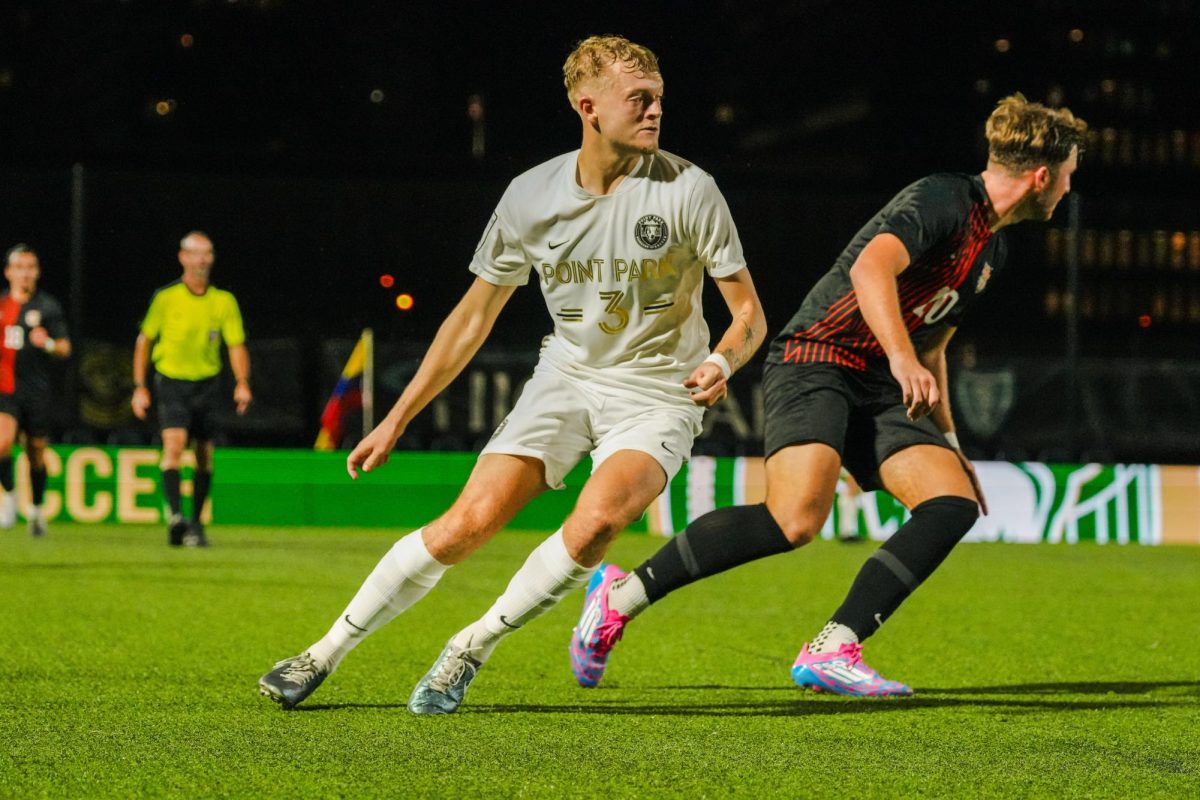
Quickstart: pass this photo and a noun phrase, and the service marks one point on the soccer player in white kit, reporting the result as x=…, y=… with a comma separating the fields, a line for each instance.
x=618, y=234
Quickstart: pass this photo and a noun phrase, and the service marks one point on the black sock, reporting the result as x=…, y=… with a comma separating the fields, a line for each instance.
x=170, y=480
x=201, y=481
x=712, y=543
x=910, y=556
x=6, y=473
x=37, y=483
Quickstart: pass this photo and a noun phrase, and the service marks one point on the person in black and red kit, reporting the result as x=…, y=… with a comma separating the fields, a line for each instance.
x=35, y=332
x=858, y=377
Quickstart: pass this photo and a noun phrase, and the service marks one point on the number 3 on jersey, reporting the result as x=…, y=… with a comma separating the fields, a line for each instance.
x=14, y=337
x=937, y=306
x=614, y=309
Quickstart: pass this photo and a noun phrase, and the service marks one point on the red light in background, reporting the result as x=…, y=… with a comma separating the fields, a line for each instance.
x=387, y=281
x=404, y=301
x=186, y=41
x=1144, y=321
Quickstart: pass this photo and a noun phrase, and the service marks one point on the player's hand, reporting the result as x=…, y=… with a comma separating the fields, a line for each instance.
x=917, y=384
x=38, y=337
x=242, y=396
x=140, y=402
x=707, y=384
x=373, y=451
x=975, y=485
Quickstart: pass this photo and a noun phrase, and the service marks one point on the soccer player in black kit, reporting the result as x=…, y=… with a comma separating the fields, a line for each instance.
x=858, y=378
x=35, y=331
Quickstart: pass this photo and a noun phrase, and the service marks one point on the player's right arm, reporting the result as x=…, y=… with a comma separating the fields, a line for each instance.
x=874, y=276
x=458, y=339
x=141, y=358
x=150, y=329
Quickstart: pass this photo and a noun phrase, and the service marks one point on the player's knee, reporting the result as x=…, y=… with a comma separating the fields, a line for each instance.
x=800, y=533
x=598, y=523
x=799, y=527
x=204, y=457
x=467, y=523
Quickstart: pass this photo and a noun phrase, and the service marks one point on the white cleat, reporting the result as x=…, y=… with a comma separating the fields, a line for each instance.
x=37, y=522
x=8, y=510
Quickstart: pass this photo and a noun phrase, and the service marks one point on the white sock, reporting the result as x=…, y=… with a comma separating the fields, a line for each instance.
x=628, y=595
x=547, y=576
x=832, y=637
x=402, y=577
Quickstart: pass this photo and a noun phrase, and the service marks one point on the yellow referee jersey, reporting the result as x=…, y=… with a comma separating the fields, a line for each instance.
x=187, y=330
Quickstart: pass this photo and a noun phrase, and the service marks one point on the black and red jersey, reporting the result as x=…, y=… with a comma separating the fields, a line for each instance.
x=943, y=222
x=24, y=368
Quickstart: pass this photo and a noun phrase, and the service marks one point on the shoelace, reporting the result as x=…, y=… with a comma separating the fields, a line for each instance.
x=300, y=669
x=451, y=671
x=610, y=632
x=852, y=653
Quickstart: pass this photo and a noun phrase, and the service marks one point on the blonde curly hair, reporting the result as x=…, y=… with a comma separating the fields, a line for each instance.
x=591, y=58
x=1022, y=135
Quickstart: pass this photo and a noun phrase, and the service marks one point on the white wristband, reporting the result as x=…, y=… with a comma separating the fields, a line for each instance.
x=50, y=346
x=952, y=438
x=722, y=362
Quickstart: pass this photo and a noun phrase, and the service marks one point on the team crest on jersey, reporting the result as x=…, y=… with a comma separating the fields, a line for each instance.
x=651, y=231
x=33, y=318
x=984, y=277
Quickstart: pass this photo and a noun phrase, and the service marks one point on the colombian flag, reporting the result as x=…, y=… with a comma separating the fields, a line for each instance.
x=346, y=397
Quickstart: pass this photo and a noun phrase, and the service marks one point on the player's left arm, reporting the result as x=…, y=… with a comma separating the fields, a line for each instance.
x=59, y=347
x=234, y=334
x=51, y=337
x=741, y=339
x=239, y=362
x=933, y=358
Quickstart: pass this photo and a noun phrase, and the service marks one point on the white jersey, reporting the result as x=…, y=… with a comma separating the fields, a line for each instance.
x=622, y=273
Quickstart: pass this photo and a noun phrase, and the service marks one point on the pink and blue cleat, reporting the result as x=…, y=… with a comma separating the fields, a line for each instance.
x=843, y=672
x=598, y=630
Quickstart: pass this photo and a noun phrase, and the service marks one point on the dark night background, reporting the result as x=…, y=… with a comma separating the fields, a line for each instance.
x=322, y=145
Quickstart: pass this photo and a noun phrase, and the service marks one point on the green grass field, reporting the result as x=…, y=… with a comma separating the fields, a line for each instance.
x=130, y=670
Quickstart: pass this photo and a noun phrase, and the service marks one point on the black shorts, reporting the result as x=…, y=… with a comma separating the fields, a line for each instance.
x=32, y=413
x=859, y=414
x=188, y=404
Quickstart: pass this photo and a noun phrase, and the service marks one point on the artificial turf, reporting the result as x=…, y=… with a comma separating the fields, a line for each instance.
x=129, y=670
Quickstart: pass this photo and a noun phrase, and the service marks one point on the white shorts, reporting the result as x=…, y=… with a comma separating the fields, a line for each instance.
x=559, y=420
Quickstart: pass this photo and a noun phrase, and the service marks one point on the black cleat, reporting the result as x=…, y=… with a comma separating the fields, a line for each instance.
x=176, y=528
x=195, y=535
x=292, y=680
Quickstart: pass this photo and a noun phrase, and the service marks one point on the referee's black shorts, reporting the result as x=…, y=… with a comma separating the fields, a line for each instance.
x=188, y=404
x=30, y=410
x=859, y=414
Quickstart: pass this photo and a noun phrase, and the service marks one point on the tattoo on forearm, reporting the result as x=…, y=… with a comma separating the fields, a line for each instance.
x=737, y=356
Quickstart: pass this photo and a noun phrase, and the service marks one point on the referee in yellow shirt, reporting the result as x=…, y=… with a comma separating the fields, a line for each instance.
x=185, y=325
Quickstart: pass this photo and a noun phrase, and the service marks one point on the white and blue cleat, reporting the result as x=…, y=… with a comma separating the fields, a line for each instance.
x=442, y=689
